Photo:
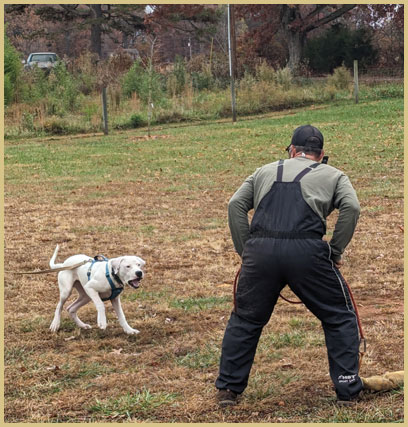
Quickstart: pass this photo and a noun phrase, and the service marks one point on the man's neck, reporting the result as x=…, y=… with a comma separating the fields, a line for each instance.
x=305, y=156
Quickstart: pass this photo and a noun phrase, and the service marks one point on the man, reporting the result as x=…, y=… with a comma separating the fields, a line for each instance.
x=283, y=245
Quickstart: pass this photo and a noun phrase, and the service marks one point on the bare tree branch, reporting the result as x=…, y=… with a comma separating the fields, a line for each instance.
x=339, y=12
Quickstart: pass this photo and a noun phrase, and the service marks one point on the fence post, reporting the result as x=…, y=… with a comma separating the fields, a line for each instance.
x=356, y=81
x=104, y=111
x=232, y=58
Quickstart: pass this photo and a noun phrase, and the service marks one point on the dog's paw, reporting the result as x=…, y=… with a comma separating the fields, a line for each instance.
x=102, y=325
x=102, y=321
x=54, y=326
x=132, y=331
x=86, y=326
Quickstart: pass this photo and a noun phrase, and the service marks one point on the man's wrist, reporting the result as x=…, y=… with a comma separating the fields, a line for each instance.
x=337, y=259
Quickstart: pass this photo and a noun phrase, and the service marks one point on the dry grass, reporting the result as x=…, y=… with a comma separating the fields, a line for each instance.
x=167, y=372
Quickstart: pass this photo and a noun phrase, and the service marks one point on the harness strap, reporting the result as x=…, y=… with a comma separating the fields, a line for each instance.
x=107, y=274
x=88, y=273
x=97, y=258
x=115, y=291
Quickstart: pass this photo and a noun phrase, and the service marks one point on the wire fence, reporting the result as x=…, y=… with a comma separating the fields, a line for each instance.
x=381, y=73
x=370, y=75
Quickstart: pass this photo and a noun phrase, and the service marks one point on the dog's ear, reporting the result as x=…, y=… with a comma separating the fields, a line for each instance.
x=116, y=264
x=142, y=261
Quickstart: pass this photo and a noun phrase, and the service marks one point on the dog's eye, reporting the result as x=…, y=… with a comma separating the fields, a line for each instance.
x=128, y=266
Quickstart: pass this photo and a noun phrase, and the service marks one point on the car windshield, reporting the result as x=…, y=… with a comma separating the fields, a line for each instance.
x=43, y=57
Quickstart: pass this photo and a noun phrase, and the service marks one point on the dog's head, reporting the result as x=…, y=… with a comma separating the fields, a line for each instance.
x=129, y=269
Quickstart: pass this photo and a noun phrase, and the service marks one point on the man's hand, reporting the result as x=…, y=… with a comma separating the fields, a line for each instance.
x=338, y=264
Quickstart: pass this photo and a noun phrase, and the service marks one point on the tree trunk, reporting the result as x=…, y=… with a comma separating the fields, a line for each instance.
x=295, y=42
x=67, y=42
x=96, y=31
x=125, y=41
x=295, y=37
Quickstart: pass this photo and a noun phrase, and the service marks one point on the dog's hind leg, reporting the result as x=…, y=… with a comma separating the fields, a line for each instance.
x=65, y=287
x=81, y=293
x=72, y=309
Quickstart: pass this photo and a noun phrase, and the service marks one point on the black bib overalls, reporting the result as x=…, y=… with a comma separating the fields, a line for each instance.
x=286, y=247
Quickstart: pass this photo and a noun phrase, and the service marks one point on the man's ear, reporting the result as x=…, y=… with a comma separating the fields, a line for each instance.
x=291, y=151
x=115, y=263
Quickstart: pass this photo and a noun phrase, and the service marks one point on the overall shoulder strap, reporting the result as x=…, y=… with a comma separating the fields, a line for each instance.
x=280, y=171
x=301, y=174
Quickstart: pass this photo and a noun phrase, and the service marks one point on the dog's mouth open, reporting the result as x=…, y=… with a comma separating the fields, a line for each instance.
x=135, y=283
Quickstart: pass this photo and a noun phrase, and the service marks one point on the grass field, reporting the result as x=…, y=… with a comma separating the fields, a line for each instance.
x=165, y=199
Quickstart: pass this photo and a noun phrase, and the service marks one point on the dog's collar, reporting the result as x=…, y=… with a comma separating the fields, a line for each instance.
x=117, y=279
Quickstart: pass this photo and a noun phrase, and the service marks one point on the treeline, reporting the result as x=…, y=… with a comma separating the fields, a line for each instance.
x=169, y=63
x=67, y=99
x=283, y=35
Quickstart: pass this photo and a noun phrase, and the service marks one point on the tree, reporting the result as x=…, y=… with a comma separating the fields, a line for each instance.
x=340, y=44
x=293, y=21
x=183, y=30
x=297, y=22
x=102, y=21
x=376, y=15
x=197, y=20
x=387, y=22
x=12, y=70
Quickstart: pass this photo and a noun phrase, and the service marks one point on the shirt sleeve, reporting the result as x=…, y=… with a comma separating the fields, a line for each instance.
x=238, y=207
x=346, y=201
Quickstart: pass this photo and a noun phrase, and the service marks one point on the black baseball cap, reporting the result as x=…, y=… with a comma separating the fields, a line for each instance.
x=307, y=136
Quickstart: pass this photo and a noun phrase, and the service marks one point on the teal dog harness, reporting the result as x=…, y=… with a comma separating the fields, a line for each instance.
x=115, y=291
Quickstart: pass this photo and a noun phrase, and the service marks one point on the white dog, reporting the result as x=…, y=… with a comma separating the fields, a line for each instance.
x=96, y=280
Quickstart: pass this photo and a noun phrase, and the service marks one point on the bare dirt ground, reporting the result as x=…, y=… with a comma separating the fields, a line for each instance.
x=181, y=311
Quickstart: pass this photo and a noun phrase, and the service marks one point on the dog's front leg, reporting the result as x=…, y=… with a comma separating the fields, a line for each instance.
x=121, y=316
x=100, y=306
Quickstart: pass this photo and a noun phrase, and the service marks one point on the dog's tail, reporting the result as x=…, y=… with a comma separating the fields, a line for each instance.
x=54, y=257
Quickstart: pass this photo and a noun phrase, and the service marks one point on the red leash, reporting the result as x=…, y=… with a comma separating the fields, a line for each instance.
x=235, y=289
x=362, y=338
x=291, y=302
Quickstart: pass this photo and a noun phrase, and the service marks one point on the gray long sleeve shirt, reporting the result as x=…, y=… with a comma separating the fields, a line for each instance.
x=324, y=189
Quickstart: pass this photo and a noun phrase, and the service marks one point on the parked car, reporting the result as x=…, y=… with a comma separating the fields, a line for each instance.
x=43, y=60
